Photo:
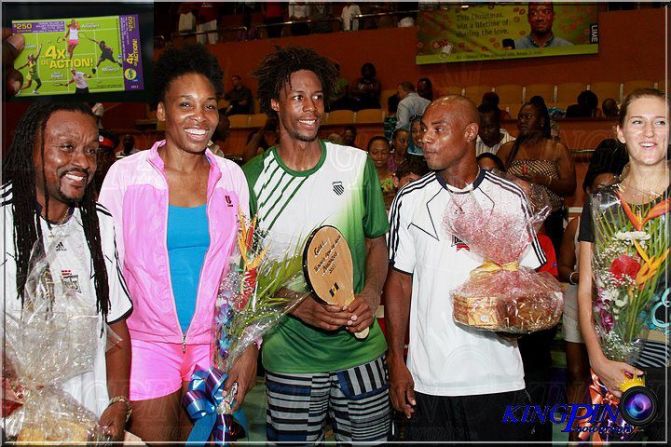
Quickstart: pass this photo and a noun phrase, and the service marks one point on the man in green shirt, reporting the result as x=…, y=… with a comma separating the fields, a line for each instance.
x=315, y=366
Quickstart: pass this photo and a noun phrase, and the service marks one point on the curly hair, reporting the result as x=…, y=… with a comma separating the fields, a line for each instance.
x=19, y=171
x=175, y=62
x=276, y=69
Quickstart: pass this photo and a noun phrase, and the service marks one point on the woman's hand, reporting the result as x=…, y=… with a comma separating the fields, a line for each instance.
x=613, y=373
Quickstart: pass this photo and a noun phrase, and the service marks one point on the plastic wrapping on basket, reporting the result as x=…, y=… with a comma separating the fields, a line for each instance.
x=51, y=341
x=630, y=267
x=500, y=295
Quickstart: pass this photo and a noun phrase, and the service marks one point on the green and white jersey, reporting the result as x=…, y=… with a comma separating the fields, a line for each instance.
x=342, y=190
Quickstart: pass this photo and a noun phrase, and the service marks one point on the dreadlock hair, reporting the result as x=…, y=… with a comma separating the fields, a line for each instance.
x=19, y=170
x=176, y=62
x=276, y=69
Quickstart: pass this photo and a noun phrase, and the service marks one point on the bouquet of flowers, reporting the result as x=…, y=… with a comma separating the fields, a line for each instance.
x=630, y=256
x=254, y=295
x=500, y=295
x=631, y=248
x=53, y=340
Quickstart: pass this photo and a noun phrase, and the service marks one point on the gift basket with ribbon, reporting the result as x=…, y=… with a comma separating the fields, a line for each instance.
x=254, y=295
x=630, y=268
x=500, y=295
x=52, y=340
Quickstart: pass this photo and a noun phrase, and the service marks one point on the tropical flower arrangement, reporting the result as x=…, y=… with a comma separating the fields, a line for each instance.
x=630, y=256
x=254, y=294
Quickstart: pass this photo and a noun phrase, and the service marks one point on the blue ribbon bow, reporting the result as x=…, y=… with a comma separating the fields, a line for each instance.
x=209, y=408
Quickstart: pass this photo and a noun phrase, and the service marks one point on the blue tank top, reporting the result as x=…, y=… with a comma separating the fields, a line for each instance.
x=188, y=241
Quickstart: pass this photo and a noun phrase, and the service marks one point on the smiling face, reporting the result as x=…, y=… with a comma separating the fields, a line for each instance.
x=379, y=153
x=69, y=161
x=540, y=17
x=189, y=110
x=645, y=130
x=416, y=133
x=300, y=106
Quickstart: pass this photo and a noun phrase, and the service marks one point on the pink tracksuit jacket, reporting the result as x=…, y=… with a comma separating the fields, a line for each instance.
x=135, y=191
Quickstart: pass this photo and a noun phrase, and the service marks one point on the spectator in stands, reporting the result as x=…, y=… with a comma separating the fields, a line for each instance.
x=379, y=152
x=609, y=108
x=320, y=12
x=577, y=361
x=340, y=96
x=187, y=21
x=411, y=104
x=335, y=138
x=220, y=134
x=349, y=136
x=537, y=158
x=413, y=170
x=261, y=139
x=127, y=146
x=425, y=88
x=390, y=120
x=540, y=16
x=490, y=162
x=399, y=149
x=206, y=20
x=587, y=106
x=491, y=136
x=273, y=14
x=492, y=99
x=415, y=145
x=299, y=13
x=349, y=11
x=240, y=98
x=609, y=156
x=366, y=92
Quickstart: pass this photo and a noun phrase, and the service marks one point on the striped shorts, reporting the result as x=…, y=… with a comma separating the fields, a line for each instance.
x=355, y=400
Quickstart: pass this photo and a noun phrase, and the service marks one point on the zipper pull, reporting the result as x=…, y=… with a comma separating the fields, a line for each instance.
x=183, y=343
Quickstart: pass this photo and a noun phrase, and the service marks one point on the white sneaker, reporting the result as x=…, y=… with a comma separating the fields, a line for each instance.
x=35, y=92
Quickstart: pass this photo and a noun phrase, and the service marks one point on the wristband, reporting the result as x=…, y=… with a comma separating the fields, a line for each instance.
x=126, y=402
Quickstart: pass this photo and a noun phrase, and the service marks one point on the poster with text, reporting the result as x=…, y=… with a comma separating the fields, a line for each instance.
x=80, y=55
x=489, y=31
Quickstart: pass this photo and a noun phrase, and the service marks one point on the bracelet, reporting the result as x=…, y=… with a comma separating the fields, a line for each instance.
x=125, y=400
x=570, y=278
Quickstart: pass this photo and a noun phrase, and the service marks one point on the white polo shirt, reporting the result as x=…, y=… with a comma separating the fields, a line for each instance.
x=446, y=359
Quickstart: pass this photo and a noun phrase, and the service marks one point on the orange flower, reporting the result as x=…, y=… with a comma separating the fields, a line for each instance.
x=658, y=210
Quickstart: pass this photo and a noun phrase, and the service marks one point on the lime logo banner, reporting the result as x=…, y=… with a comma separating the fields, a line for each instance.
x=452, y=33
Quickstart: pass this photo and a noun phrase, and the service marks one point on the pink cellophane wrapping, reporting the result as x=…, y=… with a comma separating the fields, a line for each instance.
x=500, y=296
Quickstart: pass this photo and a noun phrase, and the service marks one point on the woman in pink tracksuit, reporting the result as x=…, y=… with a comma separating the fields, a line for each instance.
x=175, y=207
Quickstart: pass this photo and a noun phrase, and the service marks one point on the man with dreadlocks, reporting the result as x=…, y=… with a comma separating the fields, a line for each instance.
x=315, y=366
x=48, y=191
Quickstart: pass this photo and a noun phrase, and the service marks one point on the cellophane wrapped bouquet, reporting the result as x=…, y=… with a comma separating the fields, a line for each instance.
x=53, y=340
x=501, y=295
x=630, y=257
x=254, y=295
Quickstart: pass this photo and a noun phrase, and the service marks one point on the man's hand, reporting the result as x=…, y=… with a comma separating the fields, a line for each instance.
x=363, y=311
x=114, y=420
x=243, y=372
x=321, y=315
x=401, y=386
x=12, y=45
